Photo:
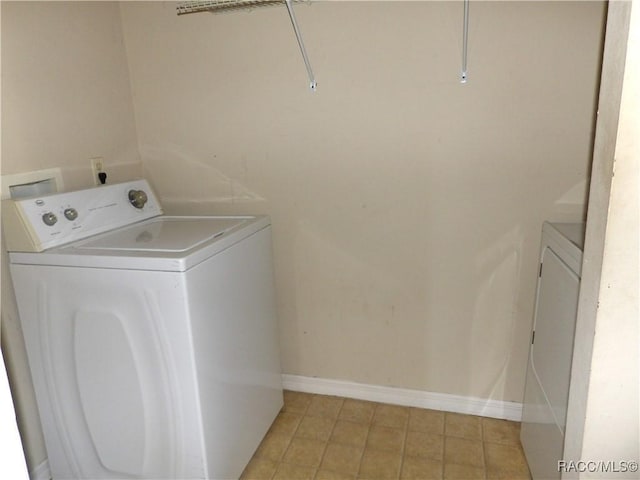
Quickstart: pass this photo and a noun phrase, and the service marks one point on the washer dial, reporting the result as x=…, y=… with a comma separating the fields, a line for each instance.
x=49, y=218
x=71, y=214
x=137, y=198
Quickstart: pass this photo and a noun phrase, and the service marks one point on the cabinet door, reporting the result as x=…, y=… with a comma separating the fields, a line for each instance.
x=548, y=375
x=554, y=328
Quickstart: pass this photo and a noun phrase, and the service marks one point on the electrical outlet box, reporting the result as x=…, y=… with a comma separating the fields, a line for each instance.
x=97, y=166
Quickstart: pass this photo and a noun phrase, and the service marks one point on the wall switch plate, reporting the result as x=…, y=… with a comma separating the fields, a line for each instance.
x=97, y=166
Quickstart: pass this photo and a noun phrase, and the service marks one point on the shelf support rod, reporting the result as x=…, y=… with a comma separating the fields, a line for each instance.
x=312, y=81
x=465, y=41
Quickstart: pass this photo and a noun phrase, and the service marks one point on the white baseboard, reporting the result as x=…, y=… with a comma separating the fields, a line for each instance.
x=41, y=472
x=405, y=397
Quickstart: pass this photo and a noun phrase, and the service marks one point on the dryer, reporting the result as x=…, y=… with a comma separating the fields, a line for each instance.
x=549, y=369
x=151, y=339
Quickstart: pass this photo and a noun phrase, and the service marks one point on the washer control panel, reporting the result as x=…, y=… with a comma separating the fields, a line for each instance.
x=39, y=223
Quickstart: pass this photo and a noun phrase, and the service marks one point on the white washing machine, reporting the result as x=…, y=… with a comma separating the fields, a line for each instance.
x=152, y=339
x=549, y=371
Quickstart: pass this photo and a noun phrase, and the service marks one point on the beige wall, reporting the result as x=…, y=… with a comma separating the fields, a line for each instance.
x=407, y=207
x=65, y=91
x=65, y=98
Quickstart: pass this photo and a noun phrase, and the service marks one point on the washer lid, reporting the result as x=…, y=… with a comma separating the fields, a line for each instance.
x=165, y=243
x=163, y=234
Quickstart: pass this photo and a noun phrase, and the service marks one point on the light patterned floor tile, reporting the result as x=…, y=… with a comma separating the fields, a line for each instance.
x=462, y=472
x=500, y=431
x=380, y=465
x=273, y=446
x=464, y=426
x=424, y=420
x=463, y=451
x=357, y=411
x=296, y=402
x=386, y=438
x=286, y=423
x=317, y=428
x=424, y=445
x=259, y=469
x=350, y=433
x=325, y=406
x=391, y=416
x=304, y=452
x=341, y=458
x=505, y=461
x=415, y=468
x=329, y=475
x=287, y=471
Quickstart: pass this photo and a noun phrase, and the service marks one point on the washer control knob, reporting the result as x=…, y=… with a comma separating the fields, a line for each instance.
x=71, y=214
x=137, y=198
x=49, y=219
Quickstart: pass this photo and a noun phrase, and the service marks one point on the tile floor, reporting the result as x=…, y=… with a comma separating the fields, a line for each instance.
x=319, y=437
